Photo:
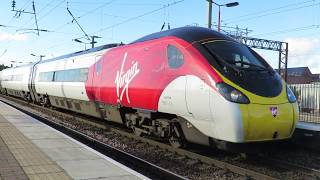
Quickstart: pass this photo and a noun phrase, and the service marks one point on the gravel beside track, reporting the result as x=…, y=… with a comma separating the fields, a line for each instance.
x=218, y=165
x=295, y=158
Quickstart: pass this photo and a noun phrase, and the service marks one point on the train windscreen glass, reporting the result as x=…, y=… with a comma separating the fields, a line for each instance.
x=244, y=67
x=236, y=54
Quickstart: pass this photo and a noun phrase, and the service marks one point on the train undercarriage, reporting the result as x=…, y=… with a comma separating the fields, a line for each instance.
x=165, y=127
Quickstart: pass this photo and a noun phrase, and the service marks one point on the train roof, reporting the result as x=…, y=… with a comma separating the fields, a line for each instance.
x=78, y=53
x=187, y=33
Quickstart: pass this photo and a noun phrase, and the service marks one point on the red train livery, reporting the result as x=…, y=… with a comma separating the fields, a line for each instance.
x=136, y=74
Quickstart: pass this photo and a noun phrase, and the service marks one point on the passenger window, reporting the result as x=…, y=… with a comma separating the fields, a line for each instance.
x=46, y=76
x=57, y=76
x=71, y=75
x=175, y=57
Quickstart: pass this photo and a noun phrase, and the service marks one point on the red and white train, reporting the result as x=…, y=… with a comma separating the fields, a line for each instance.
x=186, y=84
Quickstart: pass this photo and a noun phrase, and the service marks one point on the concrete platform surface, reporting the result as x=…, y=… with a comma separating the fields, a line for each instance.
x=307, y=135
x=30, y=149
x=308, y=126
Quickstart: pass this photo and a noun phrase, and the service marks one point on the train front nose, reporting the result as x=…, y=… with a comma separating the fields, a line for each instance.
x=268, y=122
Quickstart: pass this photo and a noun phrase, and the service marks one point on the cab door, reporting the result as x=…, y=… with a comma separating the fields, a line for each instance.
x=173, y=99
x=198, y=98
x=193, y=93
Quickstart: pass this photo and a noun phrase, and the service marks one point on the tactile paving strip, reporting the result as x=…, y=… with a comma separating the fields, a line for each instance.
x=21, y=159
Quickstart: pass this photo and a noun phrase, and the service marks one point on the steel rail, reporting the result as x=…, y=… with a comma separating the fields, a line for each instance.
x=148, y=169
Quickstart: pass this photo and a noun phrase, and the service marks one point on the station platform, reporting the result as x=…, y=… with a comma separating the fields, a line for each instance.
x=30, y=149
x=307, y=134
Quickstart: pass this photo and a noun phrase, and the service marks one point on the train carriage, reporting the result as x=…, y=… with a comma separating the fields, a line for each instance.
x=15, y=81
x=60, y=81
x=186, y=84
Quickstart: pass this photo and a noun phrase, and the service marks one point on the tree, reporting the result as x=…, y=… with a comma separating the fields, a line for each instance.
x=2, y=67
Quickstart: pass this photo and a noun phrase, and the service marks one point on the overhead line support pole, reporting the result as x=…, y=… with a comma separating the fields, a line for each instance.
x=74, y=19
x=35, y=17
x=219, y=20
x=209, y=14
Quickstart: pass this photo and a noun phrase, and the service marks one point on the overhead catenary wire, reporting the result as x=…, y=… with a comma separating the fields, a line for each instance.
x=36, y=19
x=23, y=27
x=117, y=16
x=47, y=13
x=86, y=35
x=302, y=28
x=136, y=17
x=139, y=16
x=50, y=12
x=22, y=10
x=132, y=18
x=75, y=20
x=268, y=10
x=56, y=30
x=278, y=8
x=47, y=5
x=271, y=13
x=118, y=4
x=25, y=5
x=95, y=9
x=274, y=32
x=86, y=13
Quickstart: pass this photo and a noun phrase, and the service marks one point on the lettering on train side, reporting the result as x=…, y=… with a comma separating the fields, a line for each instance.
x=124, y=78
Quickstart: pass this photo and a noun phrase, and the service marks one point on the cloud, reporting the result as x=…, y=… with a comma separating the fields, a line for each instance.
x=304, y=52
x=298, y=46
x=16, y=37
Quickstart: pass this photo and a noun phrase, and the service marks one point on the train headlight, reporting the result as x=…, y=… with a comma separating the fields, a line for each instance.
x=291, y=96
x=232, y=94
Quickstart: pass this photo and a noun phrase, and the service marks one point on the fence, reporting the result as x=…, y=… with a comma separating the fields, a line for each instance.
x=308, y=98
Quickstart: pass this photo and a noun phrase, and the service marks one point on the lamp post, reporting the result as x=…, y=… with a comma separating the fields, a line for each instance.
x=233, y=4
x=40, y=56
x=79, y=41
x=92, y=42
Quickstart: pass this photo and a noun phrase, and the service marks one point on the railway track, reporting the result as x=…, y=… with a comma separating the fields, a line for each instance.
x=150, y=170
x=180, y=153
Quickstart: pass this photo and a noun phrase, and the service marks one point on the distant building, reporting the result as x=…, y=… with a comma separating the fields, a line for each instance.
x=301, y=75
x=316, y=77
